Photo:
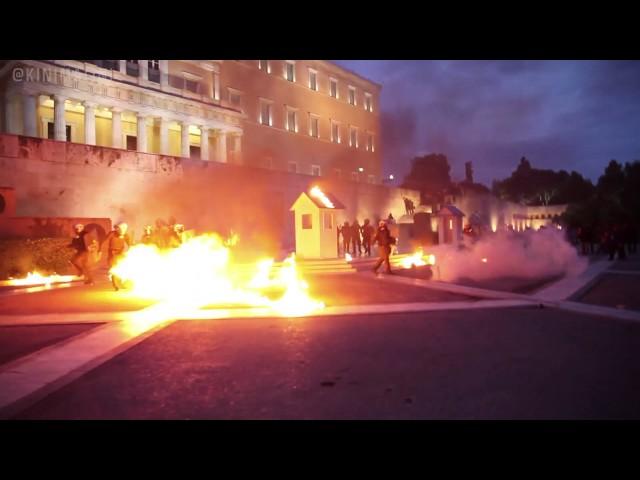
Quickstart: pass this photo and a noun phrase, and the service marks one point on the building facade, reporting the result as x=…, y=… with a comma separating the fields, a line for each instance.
x=304, y=117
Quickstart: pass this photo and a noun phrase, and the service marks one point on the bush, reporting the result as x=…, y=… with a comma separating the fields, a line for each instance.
x=19, y=256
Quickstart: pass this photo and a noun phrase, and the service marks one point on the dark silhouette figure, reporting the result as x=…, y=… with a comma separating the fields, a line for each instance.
x=118, y=242
x=384, y=240
x=356, y=242
x=367, y=236
x=80, y=259
x=346, y=237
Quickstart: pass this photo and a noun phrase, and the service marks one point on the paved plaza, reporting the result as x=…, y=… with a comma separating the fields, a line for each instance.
x=385, y=347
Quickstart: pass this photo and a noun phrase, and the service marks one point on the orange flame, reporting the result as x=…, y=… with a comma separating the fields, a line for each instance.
x=200, y=273
x=319, y=194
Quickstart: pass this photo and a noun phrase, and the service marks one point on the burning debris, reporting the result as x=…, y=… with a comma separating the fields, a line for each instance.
x=35, y=279
x=418, y=259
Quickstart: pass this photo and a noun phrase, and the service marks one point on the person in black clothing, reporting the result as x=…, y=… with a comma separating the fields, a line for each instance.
x=346, y=237
x=355, y=235
x=80, y=259
x=384, y=240
x=367, y=236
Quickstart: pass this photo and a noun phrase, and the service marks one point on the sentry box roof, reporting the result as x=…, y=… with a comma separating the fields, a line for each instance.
x=321, y=199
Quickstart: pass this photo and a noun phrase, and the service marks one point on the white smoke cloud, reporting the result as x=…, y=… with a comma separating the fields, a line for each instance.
x=530, y=254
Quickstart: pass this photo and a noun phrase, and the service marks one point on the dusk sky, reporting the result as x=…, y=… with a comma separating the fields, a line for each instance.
x=572, y=115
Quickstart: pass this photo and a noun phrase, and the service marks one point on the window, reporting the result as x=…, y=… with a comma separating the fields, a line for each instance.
x=307, y=224
x=368, y=102
x=335, y=132
x=264, y=66
x=353, y=137
x=132, y=68
x=313, y=80
x=292, y=167
x=369, y=142
x=327, y=220
x=194, y=152
x=154, y=71
x=191, y=85
x=265, y=113
x=290, y=71
x=314, y=130
x=51, y=131
x=292, y=120
x=333, y=87
x=315, y=170
x=132, y=143
x=352, y=95
x=234, y=97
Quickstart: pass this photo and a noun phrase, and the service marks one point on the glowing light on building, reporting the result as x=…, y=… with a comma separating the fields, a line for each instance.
x=319, y=194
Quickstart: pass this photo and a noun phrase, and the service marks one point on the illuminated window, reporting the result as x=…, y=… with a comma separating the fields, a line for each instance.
x=333, y=87
x=368, y=102
x=328, y=220
x=450, y=224
x=264, y=66
x=307, y=223
x=314, y=130
x=290, y=71
x=315, y=170
x=292, y=120
x=292, y=167
x=335, y=132
x=313, y=80
x=352, y=95
x=353, y=137
x=266, y=117
x=369, y=142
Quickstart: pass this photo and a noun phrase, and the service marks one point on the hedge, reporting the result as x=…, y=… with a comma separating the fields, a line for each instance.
x=45, y=255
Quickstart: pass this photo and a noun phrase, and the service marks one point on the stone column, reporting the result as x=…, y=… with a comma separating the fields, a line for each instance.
x=89, y=123
x=116, y=128
x=184, y=140
x=204, y=143
x=143, y=72
x=216, y=86
x=237, y=148
x=142, y=133
x=59, y=124
x=222, y=146
x=164, y=73
x=123, y=66
x=164, y=136
x=30, y=115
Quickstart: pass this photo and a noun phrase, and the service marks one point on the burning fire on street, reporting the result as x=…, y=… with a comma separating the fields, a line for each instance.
x=418, y=259
x=36, y=279
x=201, y=273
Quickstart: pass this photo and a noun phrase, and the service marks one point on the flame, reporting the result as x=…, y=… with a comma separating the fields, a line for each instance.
x=418, y=259
x=319, y=194
x=35, y=278
x=200, y=273
x=348, y=257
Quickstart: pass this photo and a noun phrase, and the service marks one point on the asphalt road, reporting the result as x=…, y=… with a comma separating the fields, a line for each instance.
x=521, y=363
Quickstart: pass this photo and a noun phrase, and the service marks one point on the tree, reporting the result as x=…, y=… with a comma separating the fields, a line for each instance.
x=430, y=175
x=533, y=186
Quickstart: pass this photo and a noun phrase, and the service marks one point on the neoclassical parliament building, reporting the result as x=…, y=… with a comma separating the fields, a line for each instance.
x=305, y=116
